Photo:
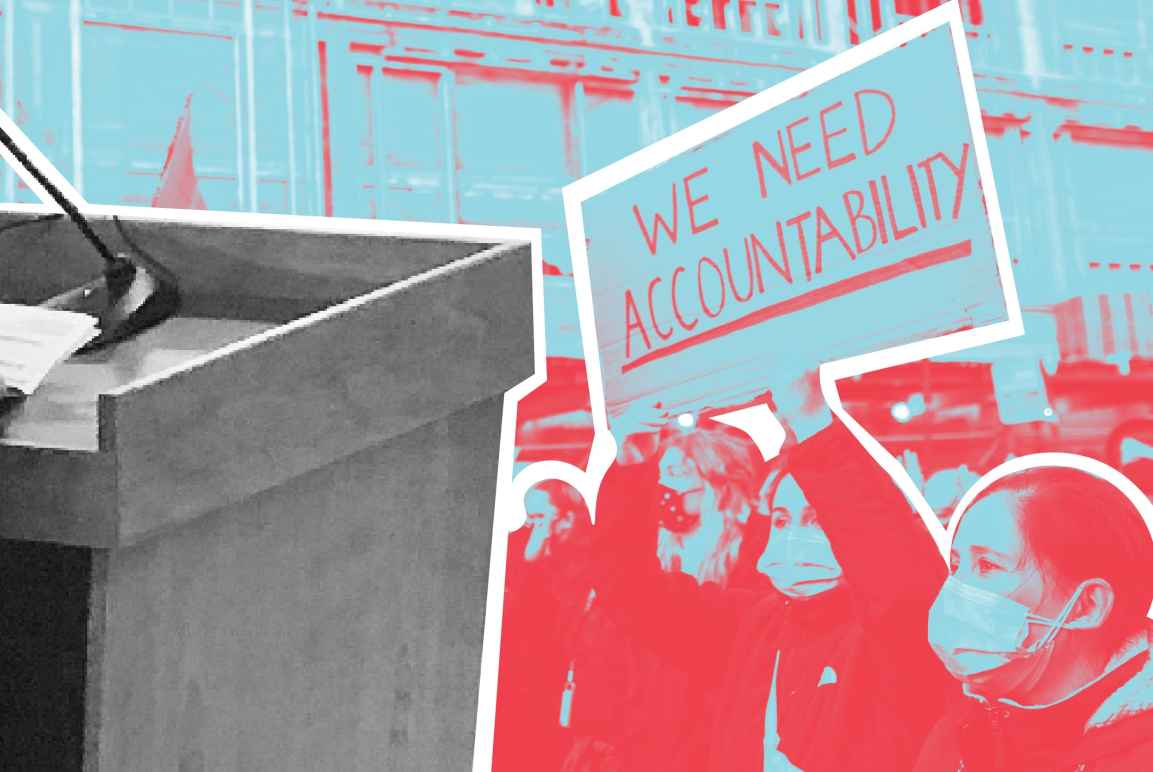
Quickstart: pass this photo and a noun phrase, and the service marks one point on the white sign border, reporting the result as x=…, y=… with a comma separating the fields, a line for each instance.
x=947, y=15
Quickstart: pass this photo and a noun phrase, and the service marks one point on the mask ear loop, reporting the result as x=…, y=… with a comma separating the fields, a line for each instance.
x=1055, y=625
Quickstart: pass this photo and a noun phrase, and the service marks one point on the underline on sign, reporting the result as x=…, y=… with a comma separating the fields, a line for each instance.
x=811, y=298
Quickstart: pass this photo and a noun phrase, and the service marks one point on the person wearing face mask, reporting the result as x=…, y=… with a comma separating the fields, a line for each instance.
x=704, y=498
x=813, y=655
x=1043, y=622
x=829, y=669
x=630, y=697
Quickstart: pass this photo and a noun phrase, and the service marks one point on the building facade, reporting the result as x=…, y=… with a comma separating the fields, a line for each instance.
x=480, y=111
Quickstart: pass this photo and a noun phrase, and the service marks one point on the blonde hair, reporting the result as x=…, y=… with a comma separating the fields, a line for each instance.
x=718, y=564
x=727, y=463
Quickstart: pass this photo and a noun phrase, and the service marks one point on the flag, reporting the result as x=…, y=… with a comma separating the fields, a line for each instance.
x=178, y=188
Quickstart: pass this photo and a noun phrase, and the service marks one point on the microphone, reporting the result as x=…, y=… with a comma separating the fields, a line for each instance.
x=134, y=292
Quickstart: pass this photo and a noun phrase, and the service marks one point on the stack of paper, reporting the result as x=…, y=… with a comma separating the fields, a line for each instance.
x=33, y=340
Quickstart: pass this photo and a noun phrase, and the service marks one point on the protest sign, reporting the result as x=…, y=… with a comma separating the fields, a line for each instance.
x=830, y=217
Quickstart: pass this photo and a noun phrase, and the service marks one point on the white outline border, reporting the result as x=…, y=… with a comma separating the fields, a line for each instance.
x=603, y=449
x=509, y=506
x=604, y=446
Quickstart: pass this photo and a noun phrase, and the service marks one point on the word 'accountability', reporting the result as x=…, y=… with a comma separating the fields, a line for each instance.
x=778, y=260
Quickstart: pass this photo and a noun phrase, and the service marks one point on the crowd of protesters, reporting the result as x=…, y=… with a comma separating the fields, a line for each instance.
x=731, y=614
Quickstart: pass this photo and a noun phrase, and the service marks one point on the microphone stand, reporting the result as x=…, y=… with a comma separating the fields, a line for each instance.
x=134, y=292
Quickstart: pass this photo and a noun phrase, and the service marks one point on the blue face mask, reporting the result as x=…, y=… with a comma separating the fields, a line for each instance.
x=800, y=565
x=974, y=631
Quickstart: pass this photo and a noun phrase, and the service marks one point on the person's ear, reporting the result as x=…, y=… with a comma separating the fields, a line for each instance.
x=1093, y=605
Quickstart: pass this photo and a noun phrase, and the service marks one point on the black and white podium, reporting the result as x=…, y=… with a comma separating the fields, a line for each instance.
x=257, y=536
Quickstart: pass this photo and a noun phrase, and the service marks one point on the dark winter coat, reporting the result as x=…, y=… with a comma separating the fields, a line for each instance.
x=1107, y=727
x=858, y=686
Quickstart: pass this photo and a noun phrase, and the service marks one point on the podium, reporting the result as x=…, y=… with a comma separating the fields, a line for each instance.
x=257, y=536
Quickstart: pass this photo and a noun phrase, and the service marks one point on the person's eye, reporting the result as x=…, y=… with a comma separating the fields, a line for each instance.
x=954, y=563
x=986, y=566
x=780, y=521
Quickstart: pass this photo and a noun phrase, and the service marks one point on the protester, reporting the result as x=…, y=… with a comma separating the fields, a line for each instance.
x=555, y=513
x=561, y=644
x=687, y=494
x=838, y=630
x=546, y=586
x=706, y=492
x=1043, y=621
x=830, y=670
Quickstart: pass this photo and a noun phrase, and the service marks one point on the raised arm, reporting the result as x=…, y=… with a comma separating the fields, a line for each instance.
x=884, y=548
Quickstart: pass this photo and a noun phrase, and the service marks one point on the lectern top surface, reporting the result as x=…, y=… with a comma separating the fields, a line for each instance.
x=62, y=414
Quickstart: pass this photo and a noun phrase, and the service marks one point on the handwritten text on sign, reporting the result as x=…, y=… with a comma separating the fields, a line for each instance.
x=862, y=220
x=849, y=219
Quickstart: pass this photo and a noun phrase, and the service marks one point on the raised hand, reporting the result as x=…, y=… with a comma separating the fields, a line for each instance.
x=800, y=405
x=796, y=407
x=636, y=430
